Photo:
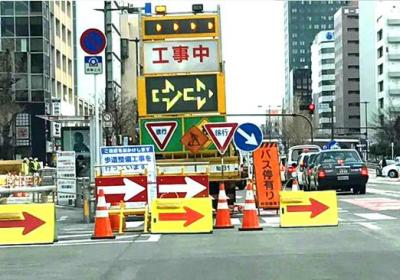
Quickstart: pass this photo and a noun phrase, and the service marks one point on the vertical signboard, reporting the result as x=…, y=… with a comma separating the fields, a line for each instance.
x=66, y=184
x=268, y=179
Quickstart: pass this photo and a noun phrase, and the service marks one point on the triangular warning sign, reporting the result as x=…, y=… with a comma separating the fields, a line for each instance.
x=161, y=132
x=221, y=134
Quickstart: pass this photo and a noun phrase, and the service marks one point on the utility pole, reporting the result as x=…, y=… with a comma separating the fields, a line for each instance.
x=366, y=128
x=269, y=123
x=332, y=122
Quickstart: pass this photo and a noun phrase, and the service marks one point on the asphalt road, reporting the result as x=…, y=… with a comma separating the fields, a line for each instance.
x=365, y=245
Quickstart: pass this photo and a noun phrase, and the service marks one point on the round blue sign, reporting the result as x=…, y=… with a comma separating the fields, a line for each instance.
x=329, y=35
x=248, y=137
x=93, y=41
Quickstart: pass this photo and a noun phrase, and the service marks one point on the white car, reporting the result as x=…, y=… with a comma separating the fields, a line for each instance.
x=301, y=168
x=391, y=170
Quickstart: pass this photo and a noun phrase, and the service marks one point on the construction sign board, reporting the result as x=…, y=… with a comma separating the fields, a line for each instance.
x=308, y=209
x=154, y=27
x=181, y=215
x=27, y=223
x=130, y=189
x=195, y=94
x=131, y=160
x=181, y=57
x=182, y=186
x=194, y=139
x=161, y=132
x=221, y=134
x=183, y=125
x=268, y=178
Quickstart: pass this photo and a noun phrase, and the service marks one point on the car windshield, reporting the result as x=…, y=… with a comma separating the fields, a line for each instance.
x=296, y=153
x=340, y=157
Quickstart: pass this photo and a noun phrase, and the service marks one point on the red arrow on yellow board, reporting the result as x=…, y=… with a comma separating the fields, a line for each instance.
x=315, y=207
x=29, y=223
x=189, y=216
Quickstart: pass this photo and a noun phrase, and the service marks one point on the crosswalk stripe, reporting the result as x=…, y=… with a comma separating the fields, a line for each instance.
x=374, y=216
x=370, y=226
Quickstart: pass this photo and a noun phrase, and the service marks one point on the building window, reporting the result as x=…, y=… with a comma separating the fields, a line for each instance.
x=69, y=38
x=65, y=93
x=58, y=59
x=21, y=26
x=380, y=52
x=380, y=103
x=327, y=50
x=380, y=69
x=302, y=51
x=354, y=104
x=63, y=33
x=353, y=42
x=36, y=7
x=21, y=62
x=328, y=61
x=64, y=61
x=21, y=8
x=69, y=66
x=352, y=29
x=57, y=27
x=380, y=86
x=37, y=82
x=381, y=119
x=327, y=72
x=37, y=95
x=353, y=92
x=36, y=45
x=59, y=90
x=354, y=67
x=37, y=63
x=69, y=8
x=21, y=95
x=63, y=6
x=354, y=117
x=353, y=54
x=353, y=79
x=379, y=35
x=7, y=8
x=7, y=26
x=36, y=26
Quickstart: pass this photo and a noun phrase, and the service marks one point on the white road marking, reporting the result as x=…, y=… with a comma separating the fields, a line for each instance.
x=235, y=221
x=383, y=192
x=134, y=224
x=340, y=210
x=375, y=216
x=370, y=226
x=152, y=238
x=73, y=235
x=271, y=221
x=62, y=218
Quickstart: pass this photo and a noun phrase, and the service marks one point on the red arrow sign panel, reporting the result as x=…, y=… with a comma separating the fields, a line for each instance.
x=29, y=223
x=190, y=216
x=315, y=208
x=171, y=186
x=128, y=189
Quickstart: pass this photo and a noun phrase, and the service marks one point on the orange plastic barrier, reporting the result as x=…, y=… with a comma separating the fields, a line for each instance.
x=268, y=178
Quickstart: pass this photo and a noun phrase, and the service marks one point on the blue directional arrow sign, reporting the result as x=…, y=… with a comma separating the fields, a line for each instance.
x=248, y=137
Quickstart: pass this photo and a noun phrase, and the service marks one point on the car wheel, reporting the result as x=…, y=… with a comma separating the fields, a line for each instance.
x=392, y=174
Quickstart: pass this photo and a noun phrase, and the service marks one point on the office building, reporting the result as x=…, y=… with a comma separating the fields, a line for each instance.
x=299, y=89
x=347, y=72
x=388, y=60
x=323, y=81
x=37, y=38
x=303, y=20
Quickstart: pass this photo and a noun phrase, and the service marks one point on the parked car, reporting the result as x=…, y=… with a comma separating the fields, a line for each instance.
x=310, y=165
x=391, y=170
x=339, y=170
x=293, y=156
x=301, y=168
x=379, y=166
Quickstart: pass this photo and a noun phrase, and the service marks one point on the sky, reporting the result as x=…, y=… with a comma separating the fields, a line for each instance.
x=252, y=48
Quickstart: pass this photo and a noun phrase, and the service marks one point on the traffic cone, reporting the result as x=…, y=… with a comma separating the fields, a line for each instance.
x=295, y=185
x=223, y=216
x=250, y=218
x=102, y=225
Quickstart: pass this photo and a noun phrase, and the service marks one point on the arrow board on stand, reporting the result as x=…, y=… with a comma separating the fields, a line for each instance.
x=161, y=132
x=221, y=134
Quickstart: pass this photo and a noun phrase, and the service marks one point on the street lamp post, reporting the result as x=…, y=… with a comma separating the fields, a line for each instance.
x=366, y=128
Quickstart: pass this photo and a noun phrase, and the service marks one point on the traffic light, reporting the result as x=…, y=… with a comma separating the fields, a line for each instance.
x=311, y=108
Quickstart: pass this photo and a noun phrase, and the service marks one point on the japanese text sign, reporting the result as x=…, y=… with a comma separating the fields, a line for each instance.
x=268, y=180
x=181, y=57
x=181, y=94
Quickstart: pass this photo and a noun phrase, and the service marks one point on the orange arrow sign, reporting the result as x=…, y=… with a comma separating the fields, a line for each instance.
x=190, y=216
x=29, y=223
x=315, y=208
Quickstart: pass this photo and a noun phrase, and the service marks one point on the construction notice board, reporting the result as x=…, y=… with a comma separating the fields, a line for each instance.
x=308, y=209
x=181, y=215
x=27, y=223
x=268, y=178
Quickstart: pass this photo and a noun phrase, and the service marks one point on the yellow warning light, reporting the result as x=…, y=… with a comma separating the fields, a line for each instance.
x=158, y=27
x=176, y=26
x=210, y=25
x=193, y=26
x=161, y=10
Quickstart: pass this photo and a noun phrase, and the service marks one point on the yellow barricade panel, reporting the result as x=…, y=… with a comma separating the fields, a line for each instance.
x=181, y=215
x=27, y=223
x=307, y=209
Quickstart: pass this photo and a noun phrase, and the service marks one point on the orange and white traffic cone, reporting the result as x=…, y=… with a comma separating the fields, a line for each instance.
x=102, y=226
x=223, y=216
x=295, y=185
x=250, y=218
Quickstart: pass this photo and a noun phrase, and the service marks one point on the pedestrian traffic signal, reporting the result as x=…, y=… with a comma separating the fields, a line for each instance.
x=311, y=108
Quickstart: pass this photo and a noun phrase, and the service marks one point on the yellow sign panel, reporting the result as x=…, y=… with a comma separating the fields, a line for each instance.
x=156, y=27
x=181, y=215
x=303, y=209
x=27, y=223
